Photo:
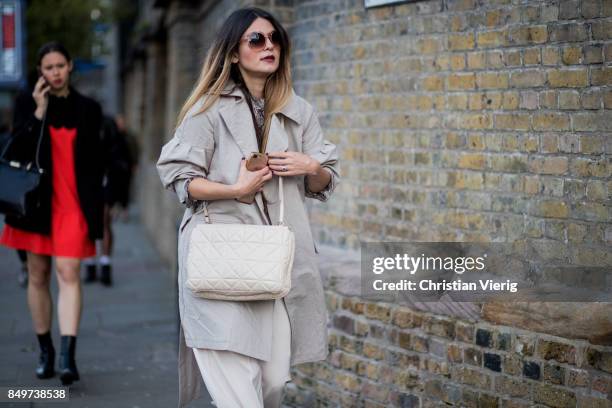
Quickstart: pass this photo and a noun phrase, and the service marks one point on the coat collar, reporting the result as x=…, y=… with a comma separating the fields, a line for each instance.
x=290, y=110
x=239, y=122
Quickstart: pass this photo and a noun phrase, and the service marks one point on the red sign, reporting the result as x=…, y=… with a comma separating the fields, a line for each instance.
x=11, y=43
x=8, y=28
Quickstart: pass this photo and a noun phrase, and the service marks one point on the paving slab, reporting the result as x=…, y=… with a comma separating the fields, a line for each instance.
x=127, y=344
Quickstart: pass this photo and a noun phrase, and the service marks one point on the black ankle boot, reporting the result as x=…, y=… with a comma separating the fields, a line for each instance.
x=67, y=365
x=106, y=275
x=90, y=273
x=46, y=360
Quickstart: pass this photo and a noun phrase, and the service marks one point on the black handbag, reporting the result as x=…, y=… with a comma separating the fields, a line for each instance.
x=19, y=181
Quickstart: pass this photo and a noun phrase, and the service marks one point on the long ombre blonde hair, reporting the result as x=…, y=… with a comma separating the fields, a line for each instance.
x=218, y=67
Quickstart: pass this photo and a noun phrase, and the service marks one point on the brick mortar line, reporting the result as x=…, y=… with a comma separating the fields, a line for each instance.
x=447, y=380
x=550, y=25
x=482, y=369
x=374, y=22
x=511, y=68
x=476, y=324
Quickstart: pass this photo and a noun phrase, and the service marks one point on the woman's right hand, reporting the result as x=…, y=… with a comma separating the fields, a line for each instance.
x=40, y=95
x=251, y=182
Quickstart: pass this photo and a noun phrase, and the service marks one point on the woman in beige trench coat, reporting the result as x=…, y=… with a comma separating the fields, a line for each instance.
x=204, y=163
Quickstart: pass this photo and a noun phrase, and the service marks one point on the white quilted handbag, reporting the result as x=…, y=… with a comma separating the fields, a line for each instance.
x=241, y=261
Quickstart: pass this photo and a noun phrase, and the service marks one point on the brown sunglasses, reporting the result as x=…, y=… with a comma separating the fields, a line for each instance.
x=257, y=40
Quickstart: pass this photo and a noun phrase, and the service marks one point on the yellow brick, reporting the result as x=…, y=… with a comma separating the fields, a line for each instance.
x=549, y=165
x=565, y=78
x=373, y=352
x=491, y=38
x=433, y=83
x=381, y=13
x=456, y=23
x=601, y=76
x=457, y=101
x=355, y=18
x=472, y=161
x=527, y=79
x=591, y=168
x=442, y=62
x=553, y=209
x=550, y=56
x=512, y=59
x=473, y=181
x=461, y=41
x=476, y=142
x=550, y=143
x=424, y=102
x=476, y=60
x=548, y=99
x=461, y=81
x=510, y=100
x=507, y=163
x=531, y=56
x=550, y=121
x=512, y=121
x=359, y=52
x=348, y=382
x=474, y=121
x=511, y=142
x=569, y=100
x=532, y=185
x=529, y=35
x=492, y=18
x=530, y=143
x=454, y=140
x=571, y=55
x=488, y=80
x=485, y=100
x=457, y=62
x=538, y=34
x=590, y=144
x=429, y=46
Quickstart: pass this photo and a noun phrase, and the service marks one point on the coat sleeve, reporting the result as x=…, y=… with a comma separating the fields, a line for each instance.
x=325, y=152
x=25, y=129
x=187, y=155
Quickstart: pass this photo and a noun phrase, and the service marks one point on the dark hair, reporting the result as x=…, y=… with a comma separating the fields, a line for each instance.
x=218, y=68
x=228, y=37
x=49, y=47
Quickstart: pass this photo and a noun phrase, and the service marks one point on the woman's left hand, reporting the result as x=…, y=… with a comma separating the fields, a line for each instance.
x=292, y=164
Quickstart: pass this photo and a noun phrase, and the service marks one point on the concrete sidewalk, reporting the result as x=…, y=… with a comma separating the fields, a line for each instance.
x=127, y=345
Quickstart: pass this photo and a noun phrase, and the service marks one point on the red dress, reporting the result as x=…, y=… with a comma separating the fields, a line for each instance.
x=69, y=233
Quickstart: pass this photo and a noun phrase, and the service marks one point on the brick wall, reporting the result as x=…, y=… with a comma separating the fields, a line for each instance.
x=460, y=121
x=464, y=120
x=384, y=355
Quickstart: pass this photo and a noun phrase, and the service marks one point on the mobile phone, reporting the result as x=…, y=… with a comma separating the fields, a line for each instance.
x=257, y=161
x=40, y=74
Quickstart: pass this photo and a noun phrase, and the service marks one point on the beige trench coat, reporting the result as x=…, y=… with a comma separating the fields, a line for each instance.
x=211, y=145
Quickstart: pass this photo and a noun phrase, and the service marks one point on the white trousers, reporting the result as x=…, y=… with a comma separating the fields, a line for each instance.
x=234, y=380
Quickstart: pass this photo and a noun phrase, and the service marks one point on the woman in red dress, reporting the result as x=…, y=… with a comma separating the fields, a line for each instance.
x=69, y=217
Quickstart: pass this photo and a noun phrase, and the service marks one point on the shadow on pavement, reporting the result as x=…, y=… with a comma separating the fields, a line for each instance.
x=127, y=345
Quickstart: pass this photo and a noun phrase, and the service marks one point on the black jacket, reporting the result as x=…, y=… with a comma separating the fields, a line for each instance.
x=120, y=164
x=90, y=157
